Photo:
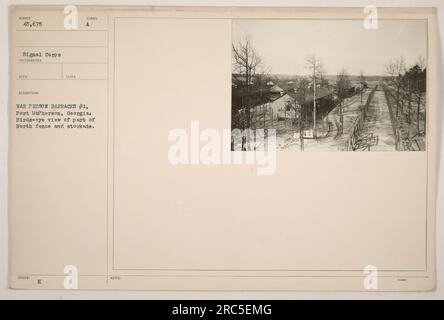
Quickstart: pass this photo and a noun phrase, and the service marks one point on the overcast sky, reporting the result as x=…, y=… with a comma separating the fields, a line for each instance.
x=284, y=44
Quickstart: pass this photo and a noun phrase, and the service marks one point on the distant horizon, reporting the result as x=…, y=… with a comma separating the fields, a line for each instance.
x=326, y=75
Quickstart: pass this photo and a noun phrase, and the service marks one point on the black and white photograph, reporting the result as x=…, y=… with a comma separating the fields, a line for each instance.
x=330, y=85
x=193, y=152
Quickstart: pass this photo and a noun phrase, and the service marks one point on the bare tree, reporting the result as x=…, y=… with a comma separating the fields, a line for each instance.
x=417, y=76
x=302, y=91
x=421, y=63
x=395, y=70
x=316, y=70
x=246, y=63
x=408, y=89
x=301, y=94
x=343, y=84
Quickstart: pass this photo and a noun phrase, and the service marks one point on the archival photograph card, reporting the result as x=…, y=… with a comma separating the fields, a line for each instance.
x=173, y=148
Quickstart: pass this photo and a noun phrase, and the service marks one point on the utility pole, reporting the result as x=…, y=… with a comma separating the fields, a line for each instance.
x=361, y=80
x=301, y=128
x=314, y=100
x=343, y=106
x=264, y=108
x=315, y=67
x=341, y=117
x=271, y=117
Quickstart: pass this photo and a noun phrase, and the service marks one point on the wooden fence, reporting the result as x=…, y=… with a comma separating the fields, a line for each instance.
x=399, y=145
x=353, y=141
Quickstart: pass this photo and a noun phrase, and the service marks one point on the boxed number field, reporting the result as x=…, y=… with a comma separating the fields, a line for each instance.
x=37, y=71
x=85, y=71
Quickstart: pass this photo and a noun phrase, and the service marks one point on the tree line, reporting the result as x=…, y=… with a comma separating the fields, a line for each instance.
x=407, y=86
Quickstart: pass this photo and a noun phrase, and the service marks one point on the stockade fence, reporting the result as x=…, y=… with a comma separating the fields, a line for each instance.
x=359, y=122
